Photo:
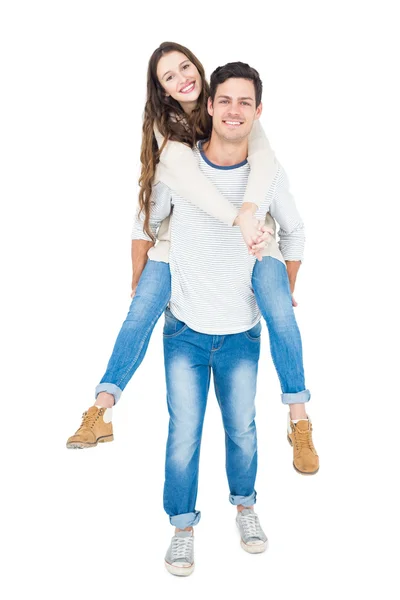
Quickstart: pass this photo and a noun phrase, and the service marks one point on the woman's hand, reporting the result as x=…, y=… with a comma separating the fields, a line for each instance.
x=264, y=239
x=250, y=227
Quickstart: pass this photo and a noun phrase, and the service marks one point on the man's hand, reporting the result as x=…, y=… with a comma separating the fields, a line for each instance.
x=292, y=267
x=134, y=286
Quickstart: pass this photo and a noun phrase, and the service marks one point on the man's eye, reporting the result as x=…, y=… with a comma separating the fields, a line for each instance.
x=246, y=103
x=223, y=101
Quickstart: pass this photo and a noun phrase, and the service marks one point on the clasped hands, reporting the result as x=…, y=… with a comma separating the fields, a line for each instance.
x=255, y=233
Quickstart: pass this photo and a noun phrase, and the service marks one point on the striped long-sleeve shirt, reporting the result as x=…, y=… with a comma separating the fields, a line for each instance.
x=210, y=266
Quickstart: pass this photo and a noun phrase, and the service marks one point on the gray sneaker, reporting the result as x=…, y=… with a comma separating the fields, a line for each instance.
x=253, y=539
x=179, y=559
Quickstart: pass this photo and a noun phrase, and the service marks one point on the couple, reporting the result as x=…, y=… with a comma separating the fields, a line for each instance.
x=214, y=269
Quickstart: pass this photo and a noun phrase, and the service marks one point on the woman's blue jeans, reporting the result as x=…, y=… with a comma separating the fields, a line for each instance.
x=271, y=288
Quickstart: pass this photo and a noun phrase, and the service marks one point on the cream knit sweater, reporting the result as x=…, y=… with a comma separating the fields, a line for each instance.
x=179, y=170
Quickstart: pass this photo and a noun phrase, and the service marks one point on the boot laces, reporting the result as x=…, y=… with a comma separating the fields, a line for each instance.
x=304, y=439
x=88, y=420
x=182, y=548
x=251, y=525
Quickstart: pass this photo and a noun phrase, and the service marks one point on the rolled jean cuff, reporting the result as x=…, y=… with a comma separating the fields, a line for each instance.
x=186, y=519
x=243, y=500
x=110, y=388
x=297, y=398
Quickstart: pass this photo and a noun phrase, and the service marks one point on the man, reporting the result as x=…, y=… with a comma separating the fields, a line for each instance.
x=213, y=321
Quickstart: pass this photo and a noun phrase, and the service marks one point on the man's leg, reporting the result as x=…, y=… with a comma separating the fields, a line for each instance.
x=235, y=362
x=188, y=379
x=272, y=291
x=151, y=298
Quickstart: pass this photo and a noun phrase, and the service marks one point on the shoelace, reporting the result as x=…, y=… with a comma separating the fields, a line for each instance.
x=182, y=548
x=89, y=420
x=303, y=439
x=251, y=525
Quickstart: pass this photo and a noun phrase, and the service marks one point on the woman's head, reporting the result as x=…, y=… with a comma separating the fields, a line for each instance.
x=177, y=94
x=179, y=77
x=176, y=83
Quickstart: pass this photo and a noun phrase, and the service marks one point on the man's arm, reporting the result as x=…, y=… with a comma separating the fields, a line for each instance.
x=292, y=267
x=291, y=232
x=141, y=242
x=139, y=260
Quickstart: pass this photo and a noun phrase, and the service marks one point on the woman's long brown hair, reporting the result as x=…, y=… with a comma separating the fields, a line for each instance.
x=173, y=123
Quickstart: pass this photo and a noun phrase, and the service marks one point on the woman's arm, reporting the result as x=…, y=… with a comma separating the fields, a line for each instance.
x=263, y=166
x=179, y=170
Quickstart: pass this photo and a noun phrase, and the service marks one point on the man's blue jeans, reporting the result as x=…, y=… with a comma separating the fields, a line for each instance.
x=271, y=288
x=189, y=359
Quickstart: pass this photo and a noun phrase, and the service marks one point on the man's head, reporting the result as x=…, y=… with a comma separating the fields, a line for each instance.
x=235, y=100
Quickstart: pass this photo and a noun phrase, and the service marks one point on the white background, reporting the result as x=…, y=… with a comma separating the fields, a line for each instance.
x=90, y=524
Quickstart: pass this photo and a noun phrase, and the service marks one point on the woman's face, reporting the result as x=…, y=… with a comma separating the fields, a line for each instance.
x=180, y=79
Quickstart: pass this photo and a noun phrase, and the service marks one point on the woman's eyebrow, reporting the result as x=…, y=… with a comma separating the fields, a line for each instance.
x=183, y=62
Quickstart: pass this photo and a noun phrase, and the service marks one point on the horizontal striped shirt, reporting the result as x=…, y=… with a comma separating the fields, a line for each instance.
x=210, y=265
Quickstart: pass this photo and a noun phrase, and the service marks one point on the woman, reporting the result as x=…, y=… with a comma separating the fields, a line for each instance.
x=176, y=118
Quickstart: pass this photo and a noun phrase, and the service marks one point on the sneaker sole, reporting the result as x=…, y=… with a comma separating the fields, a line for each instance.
x=179, y=571
x=81, y=445
x=254, y=548
x=296, y=469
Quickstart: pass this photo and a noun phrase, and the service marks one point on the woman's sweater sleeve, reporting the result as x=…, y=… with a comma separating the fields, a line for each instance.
x=179, y=170
x=263, y=166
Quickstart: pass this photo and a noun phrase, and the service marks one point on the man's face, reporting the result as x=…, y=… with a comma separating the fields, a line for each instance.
x=234, y=109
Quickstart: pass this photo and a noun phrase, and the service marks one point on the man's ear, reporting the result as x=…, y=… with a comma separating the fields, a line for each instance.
x=258, y=111
x=210, y=107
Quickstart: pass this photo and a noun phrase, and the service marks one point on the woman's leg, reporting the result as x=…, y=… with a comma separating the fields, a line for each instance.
x=152, y=296
x=272, y=291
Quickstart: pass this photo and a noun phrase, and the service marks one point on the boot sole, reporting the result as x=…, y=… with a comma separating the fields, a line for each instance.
x=296, y=469
x=81, y=445
x=179, y=571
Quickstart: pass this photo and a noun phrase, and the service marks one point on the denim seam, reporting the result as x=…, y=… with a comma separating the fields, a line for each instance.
x=257, y=339
x=219, y=347
x=172, y=335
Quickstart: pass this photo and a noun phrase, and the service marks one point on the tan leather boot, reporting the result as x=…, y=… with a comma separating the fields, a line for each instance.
x=305, y=457
x=96, y=428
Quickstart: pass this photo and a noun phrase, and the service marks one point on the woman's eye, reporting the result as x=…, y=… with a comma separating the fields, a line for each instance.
x=186, y=66
x=169, y=77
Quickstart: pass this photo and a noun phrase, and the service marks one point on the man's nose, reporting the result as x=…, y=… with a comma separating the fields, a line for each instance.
x=234, y=109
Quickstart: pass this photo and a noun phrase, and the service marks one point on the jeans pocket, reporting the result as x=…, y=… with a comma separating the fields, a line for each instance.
x=172, y=325
x=254, y=334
